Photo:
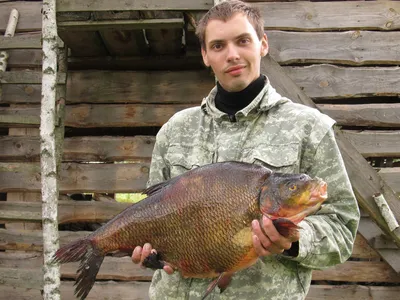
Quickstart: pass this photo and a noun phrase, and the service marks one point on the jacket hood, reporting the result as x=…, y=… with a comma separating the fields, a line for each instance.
x=264, y=101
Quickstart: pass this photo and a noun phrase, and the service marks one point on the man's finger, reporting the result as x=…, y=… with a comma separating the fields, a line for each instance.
x=276, y=239
x=146, y=251
x=137, y=254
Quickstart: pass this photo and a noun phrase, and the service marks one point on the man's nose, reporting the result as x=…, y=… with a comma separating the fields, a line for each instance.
x=232, y=53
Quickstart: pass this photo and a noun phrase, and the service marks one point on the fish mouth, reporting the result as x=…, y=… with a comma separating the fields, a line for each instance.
x=317, y=196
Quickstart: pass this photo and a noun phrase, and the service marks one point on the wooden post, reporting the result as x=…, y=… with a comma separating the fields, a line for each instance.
x=48, y=151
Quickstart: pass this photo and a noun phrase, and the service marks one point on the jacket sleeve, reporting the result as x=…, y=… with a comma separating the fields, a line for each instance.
x=327, y=237
x=159, y=170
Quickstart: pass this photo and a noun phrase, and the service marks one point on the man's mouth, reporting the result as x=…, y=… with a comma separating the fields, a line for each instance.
x=234, y=70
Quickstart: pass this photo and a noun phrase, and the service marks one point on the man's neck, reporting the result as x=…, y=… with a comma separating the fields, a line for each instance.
x=232, y=102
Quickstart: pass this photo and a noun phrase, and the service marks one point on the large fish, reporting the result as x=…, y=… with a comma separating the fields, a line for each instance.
x=200, y=222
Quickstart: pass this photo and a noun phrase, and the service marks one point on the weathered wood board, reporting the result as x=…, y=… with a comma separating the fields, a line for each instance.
x=31, y=240
x=90, y=148
x=111, y=290
x=317, y=81
x=102, y=178
x=350, y=47
x=74, y=177
x=123, y=269
x=145, y=115
x=30, y=15
x=328, y=81
x=139, y=148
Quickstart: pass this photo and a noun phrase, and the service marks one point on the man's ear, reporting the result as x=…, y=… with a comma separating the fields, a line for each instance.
x=264, y=46
x=205, y=58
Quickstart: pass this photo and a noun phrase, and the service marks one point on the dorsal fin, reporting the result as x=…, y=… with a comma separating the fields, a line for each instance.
x=154, y=189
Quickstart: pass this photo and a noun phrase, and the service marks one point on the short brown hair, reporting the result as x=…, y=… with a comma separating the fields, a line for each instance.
x=224, y=11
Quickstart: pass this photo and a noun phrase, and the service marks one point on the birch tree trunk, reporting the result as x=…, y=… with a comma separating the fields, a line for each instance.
x=48, y=151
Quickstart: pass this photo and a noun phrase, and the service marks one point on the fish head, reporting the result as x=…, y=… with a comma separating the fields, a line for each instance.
x=291, y=196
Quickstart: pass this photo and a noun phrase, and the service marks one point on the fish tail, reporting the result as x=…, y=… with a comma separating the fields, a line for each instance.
x=91, y=259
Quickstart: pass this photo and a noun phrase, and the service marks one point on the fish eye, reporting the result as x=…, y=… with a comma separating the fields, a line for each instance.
x=293, y=187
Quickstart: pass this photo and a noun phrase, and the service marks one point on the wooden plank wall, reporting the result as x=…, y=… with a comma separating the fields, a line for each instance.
x=115, y=105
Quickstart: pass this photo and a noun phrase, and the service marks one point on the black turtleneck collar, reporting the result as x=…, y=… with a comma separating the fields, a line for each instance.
x=232, y=102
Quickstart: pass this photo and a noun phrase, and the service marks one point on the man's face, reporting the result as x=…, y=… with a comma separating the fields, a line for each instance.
x=234, y=52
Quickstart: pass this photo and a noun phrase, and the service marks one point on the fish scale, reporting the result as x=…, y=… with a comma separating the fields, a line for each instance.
x=200, y=222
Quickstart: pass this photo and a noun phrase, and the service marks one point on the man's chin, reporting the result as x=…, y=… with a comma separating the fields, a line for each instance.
x=236, y=85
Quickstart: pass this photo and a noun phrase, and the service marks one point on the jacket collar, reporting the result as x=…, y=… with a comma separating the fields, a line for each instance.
x=265, y=100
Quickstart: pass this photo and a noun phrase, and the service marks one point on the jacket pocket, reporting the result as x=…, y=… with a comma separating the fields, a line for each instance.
x=184, y=158
x=279, y=157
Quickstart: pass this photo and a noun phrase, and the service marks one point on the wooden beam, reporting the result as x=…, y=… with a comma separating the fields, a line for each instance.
x=140, y=87
x=351, y=47
x=328, y=16
x=138, y=63
x=23, y=58
x=29, y=77
x=106, y=290
x=74, y=177
x=319, y=82
x=31, y=240
x=108, y=149
x=364, y=179
x=30, y=12
x=68, y=211
x=328, y=81
x=104, y=5
x=349, y=292
x=22, y=41
x=374, y=115
x=121, y=24
x=122, y=268
x=90, y=148
x=135, y=115
x=375, y=143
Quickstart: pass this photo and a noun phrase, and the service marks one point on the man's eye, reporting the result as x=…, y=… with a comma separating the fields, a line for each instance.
x=244, y=41
x=217, y=46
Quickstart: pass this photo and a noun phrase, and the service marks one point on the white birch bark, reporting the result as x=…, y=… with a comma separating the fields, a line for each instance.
x=48, y=157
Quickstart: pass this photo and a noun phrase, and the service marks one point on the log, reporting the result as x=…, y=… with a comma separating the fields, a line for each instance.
x=111, y=290
x=69, y=211
x=374, y=115
x=375, y=143
x=75, y=177
x=350, y=47
x=330, y=16
x=104, y=5
x=104, y=178
x=123, y=269
x=156, y=87
x=22, y=41
x=30, y=12
x=139, y=148
x=90, y=148
x=138, y=87
x=31, y=240
x=328, y=81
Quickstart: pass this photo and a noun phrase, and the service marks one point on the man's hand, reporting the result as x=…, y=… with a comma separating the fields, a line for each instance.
x=139, y=254
x=267, y=240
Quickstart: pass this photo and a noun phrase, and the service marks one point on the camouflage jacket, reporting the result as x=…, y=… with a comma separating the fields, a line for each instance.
x=286, y=137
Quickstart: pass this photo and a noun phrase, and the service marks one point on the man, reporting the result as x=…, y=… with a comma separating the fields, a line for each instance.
x=244, y=119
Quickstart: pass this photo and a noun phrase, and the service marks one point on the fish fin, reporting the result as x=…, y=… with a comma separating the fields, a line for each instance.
x=285, y=227
x=154, y=189
x=91, y=260
x=222, y=281
x=153, y=261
